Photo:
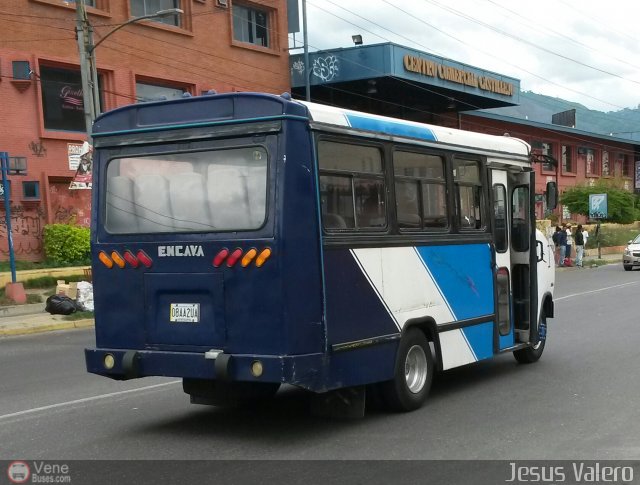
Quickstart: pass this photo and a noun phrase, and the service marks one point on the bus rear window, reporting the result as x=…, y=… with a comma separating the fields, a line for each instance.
x=223, y=190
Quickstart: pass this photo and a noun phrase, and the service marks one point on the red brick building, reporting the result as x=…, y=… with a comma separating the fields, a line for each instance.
x=583, y=157
x=225, y=45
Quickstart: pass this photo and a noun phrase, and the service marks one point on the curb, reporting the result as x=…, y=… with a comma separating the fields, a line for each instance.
x=51, y=327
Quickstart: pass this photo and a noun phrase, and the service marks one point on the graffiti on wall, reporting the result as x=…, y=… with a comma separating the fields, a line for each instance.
x=70, y=206
x=326, y=68
x=26, y=230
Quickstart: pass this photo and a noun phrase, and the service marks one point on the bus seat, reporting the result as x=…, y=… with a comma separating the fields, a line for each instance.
x=121, y=213
x=257, y=188
x=409, y=220
x=189, y=202
x=228, y=196
x=333, y=221
x=152, y=204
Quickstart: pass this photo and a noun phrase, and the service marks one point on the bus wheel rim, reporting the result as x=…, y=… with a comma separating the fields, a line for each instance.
x=415, y=369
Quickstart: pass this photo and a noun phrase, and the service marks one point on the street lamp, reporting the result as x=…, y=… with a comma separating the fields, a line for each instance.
x=86, y=48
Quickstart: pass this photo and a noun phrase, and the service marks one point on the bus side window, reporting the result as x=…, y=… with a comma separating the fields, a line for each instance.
x=421, y=201
x=466, y=176
x=352, y=189
x=500, y=216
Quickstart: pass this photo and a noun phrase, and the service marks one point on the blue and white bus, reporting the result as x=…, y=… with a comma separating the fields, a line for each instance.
x=243, y=241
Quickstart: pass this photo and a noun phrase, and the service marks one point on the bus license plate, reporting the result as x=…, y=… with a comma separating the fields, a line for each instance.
x=184, y=312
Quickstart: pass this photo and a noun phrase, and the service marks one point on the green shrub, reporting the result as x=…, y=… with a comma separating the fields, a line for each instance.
x=66, y=244
x=50, y=281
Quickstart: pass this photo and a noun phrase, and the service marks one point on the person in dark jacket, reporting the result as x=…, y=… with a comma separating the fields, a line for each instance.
x=561, y=237
x=579, y=243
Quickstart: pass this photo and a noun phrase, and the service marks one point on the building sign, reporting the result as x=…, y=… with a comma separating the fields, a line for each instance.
x=80, y=156
x=598, y=206
x=433, y=69
x=637, y=184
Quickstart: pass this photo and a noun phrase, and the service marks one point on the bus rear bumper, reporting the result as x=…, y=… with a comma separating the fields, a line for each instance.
x=299, y=370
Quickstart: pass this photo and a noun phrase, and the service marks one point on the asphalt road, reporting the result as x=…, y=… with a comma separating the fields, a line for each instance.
x=580, y=401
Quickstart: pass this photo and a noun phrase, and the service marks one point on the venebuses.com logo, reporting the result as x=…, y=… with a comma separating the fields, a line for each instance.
x=18, y=472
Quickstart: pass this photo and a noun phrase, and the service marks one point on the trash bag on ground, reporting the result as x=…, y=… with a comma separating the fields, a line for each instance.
x=84, y=297
x=60, y=305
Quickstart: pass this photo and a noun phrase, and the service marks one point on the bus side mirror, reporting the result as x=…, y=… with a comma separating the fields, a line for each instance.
x=552, y=195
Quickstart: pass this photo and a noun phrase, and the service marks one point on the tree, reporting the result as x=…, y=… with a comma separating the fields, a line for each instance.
x=621, y=203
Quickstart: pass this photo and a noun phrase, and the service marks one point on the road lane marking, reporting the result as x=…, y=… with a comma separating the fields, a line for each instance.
x=85, y=399
x=595, y=291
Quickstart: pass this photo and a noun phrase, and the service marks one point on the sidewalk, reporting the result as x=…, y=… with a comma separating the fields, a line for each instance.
x=607, y=258
x=27, y=319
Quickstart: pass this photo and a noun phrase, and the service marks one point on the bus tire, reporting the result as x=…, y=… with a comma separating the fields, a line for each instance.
x=413, y=373
x=531, y=354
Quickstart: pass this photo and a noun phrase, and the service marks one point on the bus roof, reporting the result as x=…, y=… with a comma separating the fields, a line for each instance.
x=238, y=107
x=410, y=129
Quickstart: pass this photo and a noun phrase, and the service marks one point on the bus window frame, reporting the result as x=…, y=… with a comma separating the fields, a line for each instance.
x=382, y=176
x=447, y=173
x=507, y=220
x=268, y=141
x=483, y=191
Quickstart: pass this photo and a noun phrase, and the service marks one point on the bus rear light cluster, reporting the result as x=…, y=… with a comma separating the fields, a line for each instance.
x=232, y=257
x=109, y=260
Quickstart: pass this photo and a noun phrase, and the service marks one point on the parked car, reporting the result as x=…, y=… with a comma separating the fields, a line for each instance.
x=631, y=255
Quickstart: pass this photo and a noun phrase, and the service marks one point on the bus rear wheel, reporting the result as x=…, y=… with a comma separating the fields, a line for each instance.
x=413, y=373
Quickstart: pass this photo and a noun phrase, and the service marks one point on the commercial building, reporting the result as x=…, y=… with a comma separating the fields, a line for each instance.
x=394, y=80
x=213, y=44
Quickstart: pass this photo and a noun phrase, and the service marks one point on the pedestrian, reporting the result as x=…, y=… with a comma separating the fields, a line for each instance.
x=585, y=235
x=556, y=244
x=579, y=240
x=561, y=236
x=569, y=244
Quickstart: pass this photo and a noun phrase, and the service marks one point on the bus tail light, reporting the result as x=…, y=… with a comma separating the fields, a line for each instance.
x=220, y=257
x=144, y=259
x=115, y=255
x=248, y=257
x=234, y=257
x=104, y=259
x=262, y=257
x=131, y=259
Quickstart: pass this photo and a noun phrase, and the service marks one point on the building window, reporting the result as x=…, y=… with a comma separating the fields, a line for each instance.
x=567, y=160
x=606, y=171
x=251, y=25
x=624, y=162
x=62, y=99
x=31, y=190
x=546, y=149
x=421, y=200
x=87, y=3
x=587, y=157
x=149, y=7
x=156, y=92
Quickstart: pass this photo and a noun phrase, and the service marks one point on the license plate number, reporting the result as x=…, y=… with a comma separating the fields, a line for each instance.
x=184, y=312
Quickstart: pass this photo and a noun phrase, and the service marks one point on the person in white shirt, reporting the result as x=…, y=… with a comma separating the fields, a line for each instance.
x=585, y=236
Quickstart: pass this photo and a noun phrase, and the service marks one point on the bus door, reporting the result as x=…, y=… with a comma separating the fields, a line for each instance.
x=523, y=255
x=502, y=244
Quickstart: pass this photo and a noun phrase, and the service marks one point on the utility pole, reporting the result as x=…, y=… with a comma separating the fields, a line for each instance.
x=305, y=40
x=87, y=67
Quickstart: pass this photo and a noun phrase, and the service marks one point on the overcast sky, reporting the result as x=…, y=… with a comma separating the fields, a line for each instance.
x=585, y=51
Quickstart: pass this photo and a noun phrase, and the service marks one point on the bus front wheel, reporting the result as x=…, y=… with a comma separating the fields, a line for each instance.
x=532, y=354
x=413, y=373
